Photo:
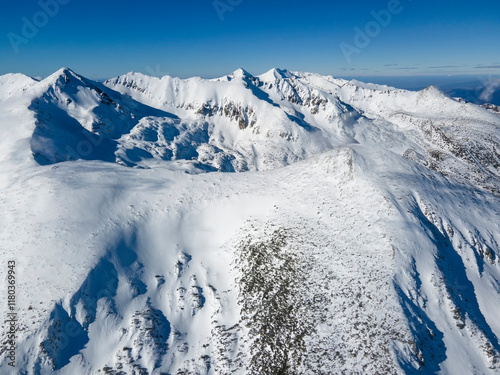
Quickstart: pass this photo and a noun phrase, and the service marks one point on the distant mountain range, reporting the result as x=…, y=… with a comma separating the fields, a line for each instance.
x=477, y=94
x=284, y=223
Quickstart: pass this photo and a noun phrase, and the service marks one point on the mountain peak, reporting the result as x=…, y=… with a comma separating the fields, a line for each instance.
x=66, y=72
x=274, y=74
x=240, y=72
x=433, y=91
x=431, y=88
x=63, y=76
x=15, y=83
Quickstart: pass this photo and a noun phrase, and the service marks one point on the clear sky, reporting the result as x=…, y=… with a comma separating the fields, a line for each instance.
x=105, y=38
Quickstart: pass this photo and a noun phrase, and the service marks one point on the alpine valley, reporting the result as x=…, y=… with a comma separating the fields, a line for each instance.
x=285, y=223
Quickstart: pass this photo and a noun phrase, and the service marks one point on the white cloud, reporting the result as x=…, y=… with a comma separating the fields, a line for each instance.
x=490, y=86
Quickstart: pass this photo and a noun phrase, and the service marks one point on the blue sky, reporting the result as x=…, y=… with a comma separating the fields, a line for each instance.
x=101, y=39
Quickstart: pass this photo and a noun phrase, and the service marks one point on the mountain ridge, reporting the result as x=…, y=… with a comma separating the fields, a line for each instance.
x=361, y=235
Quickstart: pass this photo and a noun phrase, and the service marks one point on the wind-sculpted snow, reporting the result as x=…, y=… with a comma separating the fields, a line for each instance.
x=361, y=239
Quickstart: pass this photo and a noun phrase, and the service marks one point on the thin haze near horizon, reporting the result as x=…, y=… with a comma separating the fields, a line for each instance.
x=212, y=38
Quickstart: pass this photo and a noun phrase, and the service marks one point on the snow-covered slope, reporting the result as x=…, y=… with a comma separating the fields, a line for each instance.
x=361, y=239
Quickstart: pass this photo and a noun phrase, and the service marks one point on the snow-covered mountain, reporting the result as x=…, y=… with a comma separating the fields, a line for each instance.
x=362, y=238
